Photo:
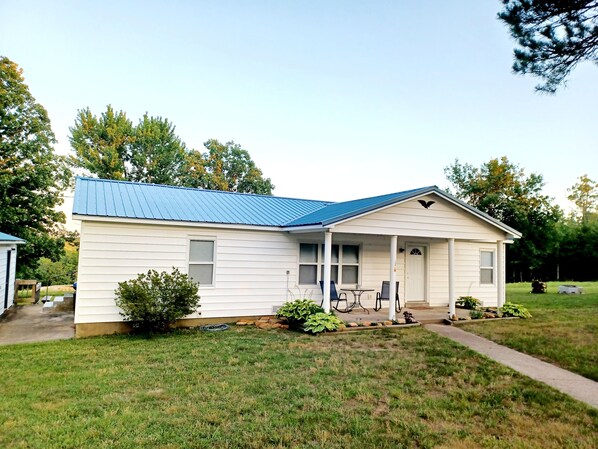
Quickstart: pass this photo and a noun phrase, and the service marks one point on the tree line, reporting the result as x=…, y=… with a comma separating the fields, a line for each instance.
x=33, y=177
x=554, y=246
x=109, y=146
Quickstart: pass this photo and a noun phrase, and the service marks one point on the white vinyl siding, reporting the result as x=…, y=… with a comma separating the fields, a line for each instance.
x=249, y=266
x=441, y=220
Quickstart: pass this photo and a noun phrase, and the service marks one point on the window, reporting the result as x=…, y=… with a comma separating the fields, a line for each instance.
x=308, y=263
x=344, y=264
x=486, y=267
x=201, y=261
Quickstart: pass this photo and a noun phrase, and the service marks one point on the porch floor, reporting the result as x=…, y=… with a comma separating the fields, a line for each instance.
x=422, y=314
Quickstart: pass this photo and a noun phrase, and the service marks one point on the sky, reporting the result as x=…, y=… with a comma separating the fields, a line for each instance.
x=334, y=100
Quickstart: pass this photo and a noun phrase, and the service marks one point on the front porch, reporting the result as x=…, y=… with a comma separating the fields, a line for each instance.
x=422, y=314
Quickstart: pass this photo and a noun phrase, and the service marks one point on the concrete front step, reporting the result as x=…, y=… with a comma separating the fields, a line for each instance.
x=48, y=306
x=411, y=304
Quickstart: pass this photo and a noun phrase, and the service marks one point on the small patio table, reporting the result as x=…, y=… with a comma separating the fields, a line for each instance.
x=357, y=292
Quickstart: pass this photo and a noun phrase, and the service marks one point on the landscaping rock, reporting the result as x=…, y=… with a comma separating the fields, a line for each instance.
x=367, y=323
x=388, y=323
x=352, y=324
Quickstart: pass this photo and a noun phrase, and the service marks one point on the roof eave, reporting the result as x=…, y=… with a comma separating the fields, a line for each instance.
x=162, y=222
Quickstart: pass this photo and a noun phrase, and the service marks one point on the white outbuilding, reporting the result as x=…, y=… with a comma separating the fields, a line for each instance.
x=8, y=266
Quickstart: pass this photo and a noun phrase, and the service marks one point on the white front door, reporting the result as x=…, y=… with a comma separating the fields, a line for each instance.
x=415, y=273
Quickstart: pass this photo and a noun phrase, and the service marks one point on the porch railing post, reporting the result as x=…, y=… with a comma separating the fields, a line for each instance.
x=327, y=260
x=451, y=276
x=392, y=288
x=500, y=273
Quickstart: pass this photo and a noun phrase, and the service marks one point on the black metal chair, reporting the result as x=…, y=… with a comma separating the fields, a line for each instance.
x=334, y=296
x=383, y=295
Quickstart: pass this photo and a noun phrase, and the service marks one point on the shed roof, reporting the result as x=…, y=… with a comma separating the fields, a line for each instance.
x=9, y=238
x=124, y=199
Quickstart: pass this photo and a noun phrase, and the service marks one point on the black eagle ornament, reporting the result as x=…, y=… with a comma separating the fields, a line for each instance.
x=426, y=204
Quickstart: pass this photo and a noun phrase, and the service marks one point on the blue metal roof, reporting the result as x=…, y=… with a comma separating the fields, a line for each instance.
x=335, y=212
x=9, y=238
x=122, y=199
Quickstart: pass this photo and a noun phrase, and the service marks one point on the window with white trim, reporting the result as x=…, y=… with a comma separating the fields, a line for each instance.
x=201, y=261
x=486, y=267
x=344, y=264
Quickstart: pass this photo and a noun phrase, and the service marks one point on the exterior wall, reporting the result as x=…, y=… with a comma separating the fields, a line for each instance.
x=375, y=268
x=441, y=220
x=467, y=273
x=11, y=283
x=250, y=267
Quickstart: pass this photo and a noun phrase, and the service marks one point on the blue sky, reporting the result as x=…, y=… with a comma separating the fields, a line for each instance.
x=334, y=100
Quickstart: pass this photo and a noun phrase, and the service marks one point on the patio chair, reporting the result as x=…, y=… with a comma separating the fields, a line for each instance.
x=383, y=295
x=334, y=296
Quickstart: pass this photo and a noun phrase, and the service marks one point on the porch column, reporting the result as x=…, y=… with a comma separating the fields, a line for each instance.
x=327, y=260
x=451, y=276
x=392, y=288
x=500, y=273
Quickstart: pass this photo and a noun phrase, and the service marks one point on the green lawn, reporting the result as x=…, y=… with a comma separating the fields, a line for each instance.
x=563, y=330
x=247, y=388
x=24, y=296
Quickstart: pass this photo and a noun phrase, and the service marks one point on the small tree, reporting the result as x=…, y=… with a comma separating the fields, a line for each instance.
x=584, y=194
x=154, y=301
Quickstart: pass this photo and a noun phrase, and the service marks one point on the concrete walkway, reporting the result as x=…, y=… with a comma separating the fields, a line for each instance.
x=574, y=385
x=29, y=324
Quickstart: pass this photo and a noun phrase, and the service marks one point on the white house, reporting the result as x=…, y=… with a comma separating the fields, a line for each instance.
x=8, y=266
x=248, y=251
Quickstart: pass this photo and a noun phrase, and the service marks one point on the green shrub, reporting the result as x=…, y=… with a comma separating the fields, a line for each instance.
x=320, y=322
x=154, y=301
x=510, y=309
x=476, y=314
x=468, y=302
x=298, y=311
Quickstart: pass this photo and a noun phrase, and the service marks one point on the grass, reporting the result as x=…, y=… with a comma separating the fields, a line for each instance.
x=563, y=330
x=25, y=297
x=247, y=388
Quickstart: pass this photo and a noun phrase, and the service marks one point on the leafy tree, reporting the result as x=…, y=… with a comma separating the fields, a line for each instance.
x=502, y=190
x=102, y=144
x=62, y=271
x=32, y=177
x=157, y=153
x=584, y=194
x=110, y=147
x=225, y=167
x=553, y=37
